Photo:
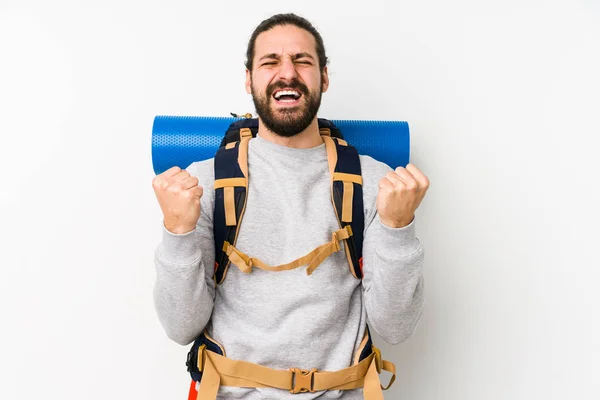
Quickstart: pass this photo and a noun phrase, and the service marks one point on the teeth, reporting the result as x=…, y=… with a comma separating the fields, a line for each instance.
x=286, y=92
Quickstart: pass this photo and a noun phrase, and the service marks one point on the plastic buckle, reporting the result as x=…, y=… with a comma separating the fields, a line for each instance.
x=349, y=229
x=302, y=380
x=189, y=363
x=192, y=358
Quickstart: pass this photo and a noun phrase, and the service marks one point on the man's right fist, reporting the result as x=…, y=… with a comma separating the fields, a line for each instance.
x=179, y=196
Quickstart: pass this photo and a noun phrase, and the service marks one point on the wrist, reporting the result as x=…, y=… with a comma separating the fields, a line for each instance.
x=179, y=248
x=178, y=229
x=397, y=243
x=396, y=223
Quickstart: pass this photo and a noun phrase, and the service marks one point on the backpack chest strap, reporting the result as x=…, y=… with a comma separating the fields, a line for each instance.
x=312, y=259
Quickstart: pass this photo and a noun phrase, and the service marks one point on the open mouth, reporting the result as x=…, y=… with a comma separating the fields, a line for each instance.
x=287, y=96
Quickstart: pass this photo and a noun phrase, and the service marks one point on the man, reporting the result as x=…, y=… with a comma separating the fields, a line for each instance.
x=287, y=319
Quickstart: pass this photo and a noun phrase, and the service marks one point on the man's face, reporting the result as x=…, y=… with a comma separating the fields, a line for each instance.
x=286, y=82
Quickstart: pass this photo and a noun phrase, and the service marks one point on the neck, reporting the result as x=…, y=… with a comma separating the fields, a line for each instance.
x=308, y=138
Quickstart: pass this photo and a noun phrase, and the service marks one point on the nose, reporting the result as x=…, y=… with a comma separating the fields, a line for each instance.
x=287, y=69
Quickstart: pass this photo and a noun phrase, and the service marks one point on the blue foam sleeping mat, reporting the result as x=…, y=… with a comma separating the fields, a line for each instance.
x=181, y=140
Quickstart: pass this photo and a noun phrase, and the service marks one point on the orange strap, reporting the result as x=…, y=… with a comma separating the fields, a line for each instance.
x=222, y=371
x=312, y=259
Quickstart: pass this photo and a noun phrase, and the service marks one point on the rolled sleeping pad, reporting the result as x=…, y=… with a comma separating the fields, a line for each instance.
x=179, y=140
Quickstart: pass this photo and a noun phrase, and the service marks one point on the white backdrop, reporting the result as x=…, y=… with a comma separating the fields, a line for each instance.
x=503, y=102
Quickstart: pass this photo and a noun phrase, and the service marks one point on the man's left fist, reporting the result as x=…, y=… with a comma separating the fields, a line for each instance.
x=400, y=193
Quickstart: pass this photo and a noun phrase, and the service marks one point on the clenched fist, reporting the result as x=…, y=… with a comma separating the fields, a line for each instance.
x=179, y=196
x=400, y=193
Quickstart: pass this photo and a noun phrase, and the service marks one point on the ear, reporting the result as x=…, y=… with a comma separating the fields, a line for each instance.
x=325, y=79
x=248, y=82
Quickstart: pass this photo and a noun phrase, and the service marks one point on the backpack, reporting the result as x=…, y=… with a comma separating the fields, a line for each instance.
x=231, y=185
x=231, y=190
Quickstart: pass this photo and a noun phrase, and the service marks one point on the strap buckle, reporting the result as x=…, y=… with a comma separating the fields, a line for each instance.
x=349, y=229
x=302, y=380
x=194, y=359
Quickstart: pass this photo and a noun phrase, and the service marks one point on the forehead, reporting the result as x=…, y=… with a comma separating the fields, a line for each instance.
x=285, y=39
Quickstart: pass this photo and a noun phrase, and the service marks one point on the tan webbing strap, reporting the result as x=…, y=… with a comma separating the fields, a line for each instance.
x=230, y=146
x=200, y=363
x=373, y=388
x=228, y=186
x=312, y=259
x=325, y=131
x=332, y=159
x=349, y=181
x=245, y=133
x=253, y=374
x=389, y=367
x=347, y=202
x=344, y=379
x=331, y=155
x=342, y=142
x=229, y=196
x=211, y=380
x=243, y=155
x=321, y=253
x=233, y=182
x=219, y=370
x=340, y=176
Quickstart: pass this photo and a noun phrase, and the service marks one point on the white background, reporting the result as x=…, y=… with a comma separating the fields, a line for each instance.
x=502, y=98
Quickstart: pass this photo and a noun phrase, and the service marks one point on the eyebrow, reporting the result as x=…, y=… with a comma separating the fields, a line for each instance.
x=294, y=57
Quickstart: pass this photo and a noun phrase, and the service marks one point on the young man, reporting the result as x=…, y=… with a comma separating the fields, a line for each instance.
x=288, y=319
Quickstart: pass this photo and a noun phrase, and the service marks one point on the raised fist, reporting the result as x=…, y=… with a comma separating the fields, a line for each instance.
x=400, y=193
x=179, y=196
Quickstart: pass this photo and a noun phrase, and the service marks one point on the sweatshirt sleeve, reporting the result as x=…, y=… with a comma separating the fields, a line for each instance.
x=393, y=278
x=184, y=287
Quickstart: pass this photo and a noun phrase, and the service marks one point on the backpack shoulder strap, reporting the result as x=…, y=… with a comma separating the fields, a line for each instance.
x=235, y=130
x=347, y=196
x=328, y=128
x=231, y=189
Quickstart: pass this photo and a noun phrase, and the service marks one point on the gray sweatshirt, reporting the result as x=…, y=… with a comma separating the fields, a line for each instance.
x=288, y=319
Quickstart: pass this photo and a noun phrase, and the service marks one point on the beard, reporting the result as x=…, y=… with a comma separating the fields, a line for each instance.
x=289, y=121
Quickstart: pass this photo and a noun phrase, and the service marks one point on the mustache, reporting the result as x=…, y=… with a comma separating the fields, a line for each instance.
x=295, y=84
